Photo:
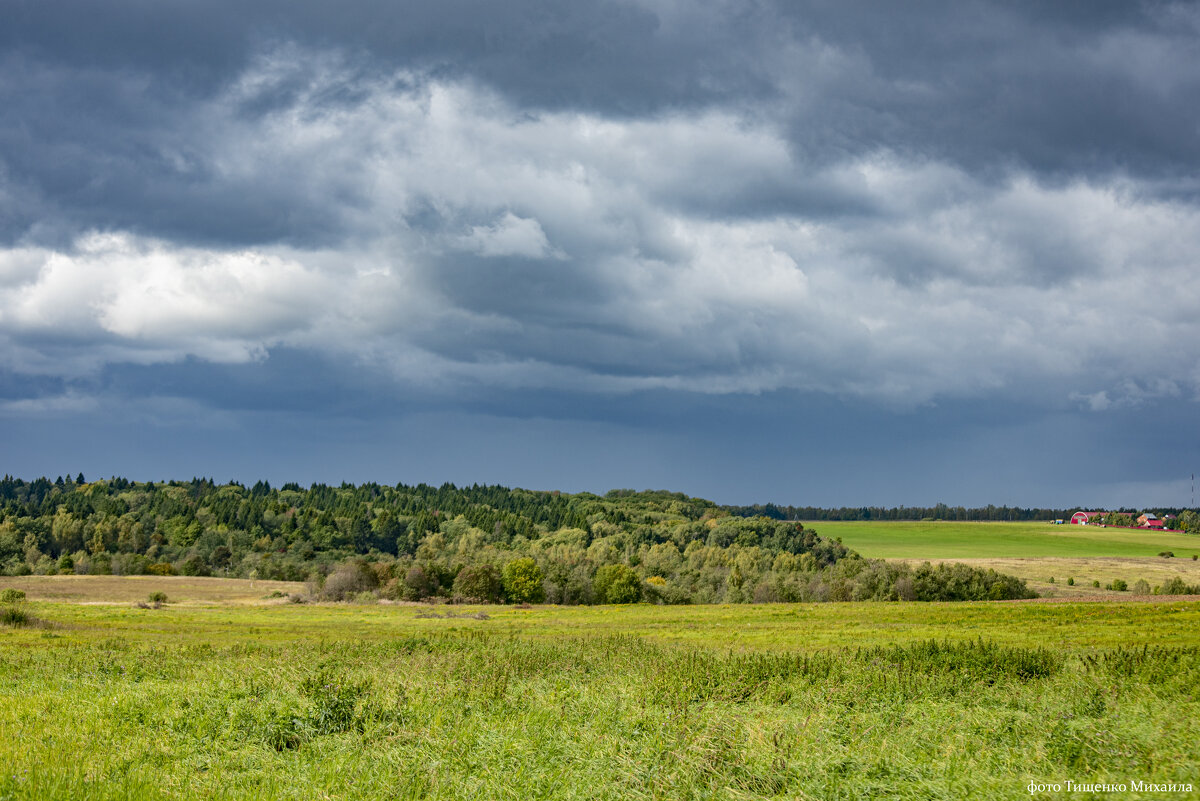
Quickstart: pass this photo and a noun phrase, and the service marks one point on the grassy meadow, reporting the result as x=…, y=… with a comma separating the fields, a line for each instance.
x=232, y=698
x=946, y=539
x=1036, y=552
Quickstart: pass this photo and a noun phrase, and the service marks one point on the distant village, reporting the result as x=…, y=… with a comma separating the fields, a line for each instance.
x=1147, y=520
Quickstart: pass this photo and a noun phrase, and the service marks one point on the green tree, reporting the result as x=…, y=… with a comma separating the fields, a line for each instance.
x=387, y=531
x=194, y=565
x=479, y=583
x=361, y=534
x=1188, y=521
x=417, y=584
x=617, y=584
x=522, y=580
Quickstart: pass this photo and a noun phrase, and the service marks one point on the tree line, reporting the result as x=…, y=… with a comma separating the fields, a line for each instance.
x=939, y=512
x=477, y=543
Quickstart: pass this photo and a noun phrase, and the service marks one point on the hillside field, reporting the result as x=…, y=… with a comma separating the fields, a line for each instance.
x=984, y=540
x=230, y=699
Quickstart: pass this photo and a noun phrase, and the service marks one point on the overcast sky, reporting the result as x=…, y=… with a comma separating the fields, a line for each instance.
x=806, y=252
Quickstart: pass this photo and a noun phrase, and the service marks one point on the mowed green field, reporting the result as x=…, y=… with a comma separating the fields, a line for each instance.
x=954, y=540
x=823, y=701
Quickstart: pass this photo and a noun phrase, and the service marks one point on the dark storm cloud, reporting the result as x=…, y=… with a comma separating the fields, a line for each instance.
x=1053, y=87
x=104, y=100
x=117, y=114
x=114, y=149
x=611, y=55
x=586, y=222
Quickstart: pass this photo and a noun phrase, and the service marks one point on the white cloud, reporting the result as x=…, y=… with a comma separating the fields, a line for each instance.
x=642, y=272
x=150, y=296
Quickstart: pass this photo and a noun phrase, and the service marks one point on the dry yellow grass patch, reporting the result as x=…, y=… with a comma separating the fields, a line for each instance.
x=130, y=589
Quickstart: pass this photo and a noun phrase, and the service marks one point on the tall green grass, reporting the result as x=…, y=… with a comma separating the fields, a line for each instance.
x=159, y=704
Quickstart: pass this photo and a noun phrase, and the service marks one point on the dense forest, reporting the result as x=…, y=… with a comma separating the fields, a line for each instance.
x=479, y=543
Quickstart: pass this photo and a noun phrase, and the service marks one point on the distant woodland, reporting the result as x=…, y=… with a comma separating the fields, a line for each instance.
x=473, y=544
x=939, y=512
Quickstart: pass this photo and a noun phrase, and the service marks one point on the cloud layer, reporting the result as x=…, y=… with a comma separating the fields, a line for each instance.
x=470, y=239
x=959, y=202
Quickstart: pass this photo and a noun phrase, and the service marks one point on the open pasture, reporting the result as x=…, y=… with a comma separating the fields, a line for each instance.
x=902, y=700
x=936, y=540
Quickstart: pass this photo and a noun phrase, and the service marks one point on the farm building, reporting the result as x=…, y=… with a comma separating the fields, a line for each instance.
x=1087, y=518
x=1151, y=520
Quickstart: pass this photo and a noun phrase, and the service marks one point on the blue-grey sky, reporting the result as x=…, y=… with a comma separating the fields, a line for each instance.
x=806, y=252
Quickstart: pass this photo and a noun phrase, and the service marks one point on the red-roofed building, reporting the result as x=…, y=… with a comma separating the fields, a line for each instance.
x=1149, y=520
x=1087, y=518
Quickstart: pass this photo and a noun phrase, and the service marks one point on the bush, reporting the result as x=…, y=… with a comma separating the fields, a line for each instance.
x=1141, y=587
x=129, y=564
x=156, y=569
x=350, y=579
x=417, y=584
x=959, y=582
x=12, y=596
x=478, y=584
x=1096, y=583
x=1166, y=554
x=1177, y=586
x=658, y=590
x=617, y=584
x=1119, y=585
x=522, y=581
x=1071, y=581
x=392, y=589
x=158, y=597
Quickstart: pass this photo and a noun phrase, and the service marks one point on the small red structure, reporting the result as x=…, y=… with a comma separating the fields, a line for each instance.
x=1087, y=518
